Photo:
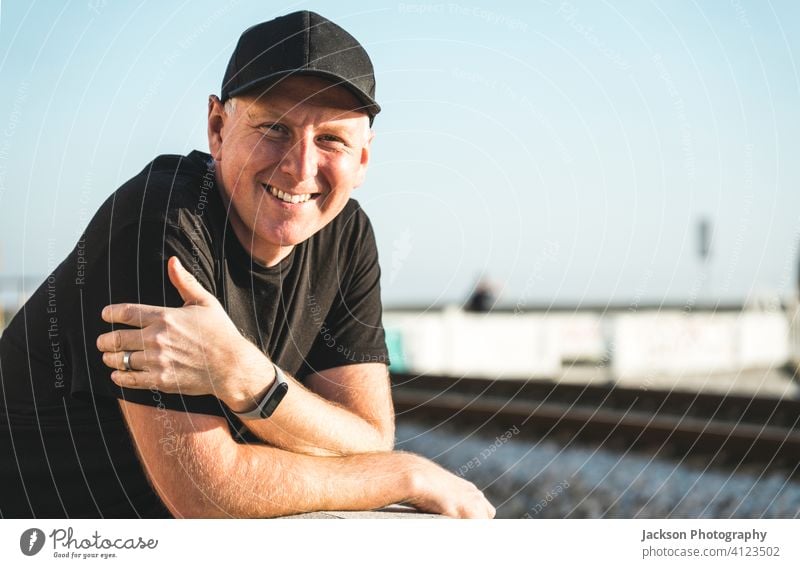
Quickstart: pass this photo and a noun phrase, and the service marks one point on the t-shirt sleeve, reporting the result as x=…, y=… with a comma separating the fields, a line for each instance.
x=353, y=327
x=132, y=267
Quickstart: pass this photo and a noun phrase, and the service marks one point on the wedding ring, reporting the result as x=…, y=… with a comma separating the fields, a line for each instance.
x=126, y=360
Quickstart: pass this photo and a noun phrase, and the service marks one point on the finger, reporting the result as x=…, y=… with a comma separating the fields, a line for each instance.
x=121, y=340
x=187, y=285
x=137, y=315
x=116, y=360
x=132, y=380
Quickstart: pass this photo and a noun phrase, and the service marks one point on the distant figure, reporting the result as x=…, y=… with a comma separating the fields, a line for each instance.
x=482, y=298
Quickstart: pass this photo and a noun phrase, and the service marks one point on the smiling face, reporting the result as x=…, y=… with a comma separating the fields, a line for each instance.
x=287, y=161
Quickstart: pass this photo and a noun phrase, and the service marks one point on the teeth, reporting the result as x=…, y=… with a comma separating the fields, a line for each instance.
x=288, y=197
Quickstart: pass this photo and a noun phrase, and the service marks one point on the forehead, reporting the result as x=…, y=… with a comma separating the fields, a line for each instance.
x=306, y=92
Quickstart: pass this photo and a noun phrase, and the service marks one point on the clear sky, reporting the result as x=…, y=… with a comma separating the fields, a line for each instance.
x=565, y=149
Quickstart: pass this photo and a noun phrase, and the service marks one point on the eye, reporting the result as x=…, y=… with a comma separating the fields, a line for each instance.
x=274, y=130
x=333, y=142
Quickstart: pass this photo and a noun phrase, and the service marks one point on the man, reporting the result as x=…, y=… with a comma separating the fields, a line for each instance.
x=251, y=375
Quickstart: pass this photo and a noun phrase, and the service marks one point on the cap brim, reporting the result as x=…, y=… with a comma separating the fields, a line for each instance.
x=369, y=105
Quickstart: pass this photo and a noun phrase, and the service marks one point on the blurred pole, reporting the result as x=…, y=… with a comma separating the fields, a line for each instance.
x=705, y=235
x=705, y=239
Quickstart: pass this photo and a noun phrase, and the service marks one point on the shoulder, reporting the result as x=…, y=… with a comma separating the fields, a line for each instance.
x=170, y=186
x=167, y=191
x=348, y=240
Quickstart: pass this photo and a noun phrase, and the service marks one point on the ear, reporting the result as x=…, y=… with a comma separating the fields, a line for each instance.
x=216, y=120
x=365, y=155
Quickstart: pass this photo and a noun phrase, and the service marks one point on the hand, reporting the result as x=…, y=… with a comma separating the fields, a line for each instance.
x=436, y=490
x=193, y=350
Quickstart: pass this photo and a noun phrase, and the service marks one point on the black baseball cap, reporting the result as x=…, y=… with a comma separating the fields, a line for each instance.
x=300, y=43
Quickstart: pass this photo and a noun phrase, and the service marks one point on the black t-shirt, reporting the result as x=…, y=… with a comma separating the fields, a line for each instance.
x=64, y=447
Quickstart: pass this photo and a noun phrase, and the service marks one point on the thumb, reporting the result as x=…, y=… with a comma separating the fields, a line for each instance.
x=187, y=285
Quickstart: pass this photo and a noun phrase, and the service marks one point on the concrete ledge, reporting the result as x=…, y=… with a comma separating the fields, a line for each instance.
x=391, y=512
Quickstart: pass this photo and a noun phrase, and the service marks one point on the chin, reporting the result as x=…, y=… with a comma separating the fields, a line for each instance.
x=288, y=238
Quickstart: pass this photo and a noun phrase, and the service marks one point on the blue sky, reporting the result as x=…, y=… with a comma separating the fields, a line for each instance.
x=565, y=149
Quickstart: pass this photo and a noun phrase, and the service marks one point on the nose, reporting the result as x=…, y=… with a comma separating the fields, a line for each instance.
x=300, y=161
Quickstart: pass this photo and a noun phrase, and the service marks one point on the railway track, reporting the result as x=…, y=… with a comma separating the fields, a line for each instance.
x=726, y=430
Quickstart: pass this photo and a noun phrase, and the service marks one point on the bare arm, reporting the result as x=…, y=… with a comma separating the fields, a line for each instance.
x=199, y=471
x=345, y=410
x=197, y=350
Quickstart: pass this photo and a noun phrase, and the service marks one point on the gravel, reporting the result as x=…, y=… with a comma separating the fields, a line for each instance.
x=526, y=479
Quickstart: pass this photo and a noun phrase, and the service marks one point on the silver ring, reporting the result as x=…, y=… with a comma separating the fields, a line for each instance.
x=126, y=360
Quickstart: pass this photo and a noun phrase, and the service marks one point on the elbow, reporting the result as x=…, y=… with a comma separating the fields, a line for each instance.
x=199, y=505
x=385, y=438
x=185, y=509
x=202, y=490
x=387, y=442
x=378, y=439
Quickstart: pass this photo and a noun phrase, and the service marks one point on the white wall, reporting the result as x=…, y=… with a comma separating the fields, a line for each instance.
x=464, y=344
x=641, y=344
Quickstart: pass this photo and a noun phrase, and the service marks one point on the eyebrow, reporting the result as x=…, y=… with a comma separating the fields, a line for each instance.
x=260, y=116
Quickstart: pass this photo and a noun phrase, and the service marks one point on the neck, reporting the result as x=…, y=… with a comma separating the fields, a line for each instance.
x=265, y=254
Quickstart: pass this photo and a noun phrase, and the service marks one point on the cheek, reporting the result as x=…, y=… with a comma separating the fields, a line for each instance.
x=343, y=173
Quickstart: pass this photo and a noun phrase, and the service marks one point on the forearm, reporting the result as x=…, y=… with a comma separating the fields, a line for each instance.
x=263, y=481
x=202, y=472
x=307, y=423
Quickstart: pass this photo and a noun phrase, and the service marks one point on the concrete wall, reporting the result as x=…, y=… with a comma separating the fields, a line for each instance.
x=673, y=344
x=580, y=336
x=640, y=344
x=763, y=340
x=794, y=335
x=463, y=344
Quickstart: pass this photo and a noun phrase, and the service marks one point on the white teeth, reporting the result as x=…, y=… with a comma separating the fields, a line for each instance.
x=288, y=197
